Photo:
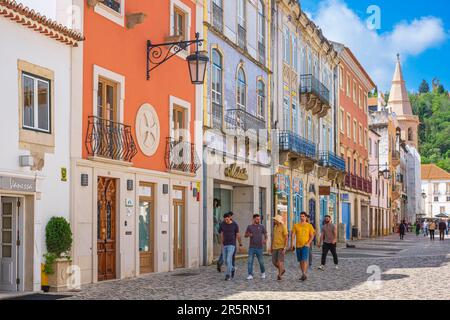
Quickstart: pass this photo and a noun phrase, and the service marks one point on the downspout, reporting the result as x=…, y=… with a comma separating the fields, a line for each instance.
x=205, y=169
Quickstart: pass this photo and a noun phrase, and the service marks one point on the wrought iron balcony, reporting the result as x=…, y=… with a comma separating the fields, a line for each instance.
x=329, y=159
x=217, y=116
x=309, y=84
x=181, y=156
x=217, y=20
x=262, y=52
x=293, y=142
x=113, y=4
x=240, y=119
x=109, y=139
x=242, y=37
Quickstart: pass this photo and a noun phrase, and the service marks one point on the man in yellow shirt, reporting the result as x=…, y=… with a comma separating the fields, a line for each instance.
x=303, y=232
x=279, y=244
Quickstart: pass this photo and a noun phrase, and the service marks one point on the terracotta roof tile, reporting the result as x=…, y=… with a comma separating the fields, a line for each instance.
x=433, y=172
x=28, y=17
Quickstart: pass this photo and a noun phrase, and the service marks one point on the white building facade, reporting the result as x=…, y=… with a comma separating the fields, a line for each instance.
x=35, y=157
x=436, y=190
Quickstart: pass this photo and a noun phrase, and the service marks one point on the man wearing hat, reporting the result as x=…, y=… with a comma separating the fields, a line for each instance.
x=279, y=244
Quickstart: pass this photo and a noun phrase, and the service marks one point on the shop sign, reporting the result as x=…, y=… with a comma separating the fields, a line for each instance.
x=324, y=190
x=17, y=184
x=236, y=172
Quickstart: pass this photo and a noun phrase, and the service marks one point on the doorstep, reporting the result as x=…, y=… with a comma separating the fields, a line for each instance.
x=4, y=295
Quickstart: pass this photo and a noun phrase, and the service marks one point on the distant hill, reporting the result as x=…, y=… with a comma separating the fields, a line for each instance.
x=432, y=105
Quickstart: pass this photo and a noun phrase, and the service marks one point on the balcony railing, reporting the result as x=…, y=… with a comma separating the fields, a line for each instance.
x=310, y=84
x=109, y=139
x=240, y=119
x=181, y=156
x=329, y=159
x=262, y=52
x=217, y=21
x=292, y=142
x=358, y=183
x=242, y=37
x=217, y=116
x=113, y=4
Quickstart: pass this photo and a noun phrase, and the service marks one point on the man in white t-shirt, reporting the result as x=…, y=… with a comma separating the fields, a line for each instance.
x=425, y=228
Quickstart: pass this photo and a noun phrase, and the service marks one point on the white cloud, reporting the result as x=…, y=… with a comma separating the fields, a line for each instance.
x=377, y=52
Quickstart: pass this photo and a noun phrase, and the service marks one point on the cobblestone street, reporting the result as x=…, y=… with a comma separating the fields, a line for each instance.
x=412, y=269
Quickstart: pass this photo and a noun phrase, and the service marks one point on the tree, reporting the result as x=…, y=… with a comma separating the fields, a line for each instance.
x=424, y=87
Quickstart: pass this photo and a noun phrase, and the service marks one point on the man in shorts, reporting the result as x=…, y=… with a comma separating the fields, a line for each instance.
x=302, y=237
x=279, y=244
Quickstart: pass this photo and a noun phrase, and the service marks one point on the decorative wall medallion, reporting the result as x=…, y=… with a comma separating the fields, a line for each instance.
x=147, y=129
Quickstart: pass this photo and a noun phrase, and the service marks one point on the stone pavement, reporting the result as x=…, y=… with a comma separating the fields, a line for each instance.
x=411, y=269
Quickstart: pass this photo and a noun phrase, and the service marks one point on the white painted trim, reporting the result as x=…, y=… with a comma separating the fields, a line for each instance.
x=110, y=14
x=101, y=72
x=183, y=53
x=184, y=104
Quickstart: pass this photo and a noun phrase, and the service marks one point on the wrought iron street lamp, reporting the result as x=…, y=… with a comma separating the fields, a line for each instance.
x=197, y=61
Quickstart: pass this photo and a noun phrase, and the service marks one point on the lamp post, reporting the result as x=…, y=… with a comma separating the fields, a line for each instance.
x=197, y=61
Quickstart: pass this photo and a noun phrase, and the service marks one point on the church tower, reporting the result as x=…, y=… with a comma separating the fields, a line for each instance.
x=400, y=105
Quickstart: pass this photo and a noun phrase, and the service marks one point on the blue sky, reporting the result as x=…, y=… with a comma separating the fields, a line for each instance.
x=418, y=30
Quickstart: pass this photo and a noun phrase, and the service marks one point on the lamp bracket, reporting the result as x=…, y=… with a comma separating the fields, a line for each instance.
x=156, y=55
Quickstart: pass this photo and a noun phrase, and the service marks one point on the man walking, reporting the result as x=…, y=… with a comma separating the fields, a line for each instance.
x=279, y=244
x=402, y=229
x=229, y=232
x=328, y=240
x=442, y=229
x=258, y=238
x=220, y=261
x=417, y=228
x=425, y=228
x=302, y=236
x=431, y=229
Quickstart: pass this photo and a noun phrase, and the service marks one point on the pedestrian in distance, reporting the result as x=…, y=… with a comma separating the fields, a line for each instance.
x=425, y=228
x=431, y=229
x=229, y=233
x=402, y=229
x=328, y=240
x=258, y=239
x=442, y=229
x=279, y=245
x=417, y=228
x=220, y=260
x=301, y=239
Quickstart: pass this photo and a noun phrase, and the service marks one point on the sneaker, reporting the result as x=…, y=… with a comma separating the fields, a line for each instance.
x=303, y=278
x=263, y=276
x=322, y=268
x=250, y=277
x=336, y=267
x=227, y=278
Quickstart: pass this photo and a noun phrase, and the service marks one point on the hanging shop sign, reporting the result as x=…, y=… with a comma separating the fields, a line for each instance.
x=236, y=172
x=324, y=190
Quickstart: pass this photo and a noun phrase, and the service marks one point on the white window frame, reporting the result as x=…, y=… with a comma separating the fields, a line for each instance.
x=349, y=125
x=36, y=79
x=185, y=105
x=183, y=7
x=341, y=78
x=100, y=72
x=342, y=119
x=355, y=129
x=108, y=13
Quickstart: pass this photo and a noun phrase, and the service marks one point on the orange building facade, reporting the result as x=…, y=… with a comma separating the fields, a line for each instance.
x=353, y=127
x=137, y=175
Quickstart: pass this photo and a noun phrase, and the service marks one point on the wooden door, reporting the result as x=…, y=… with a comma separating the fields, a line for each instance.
x=106, y=228
x=146, y=228
x=8, y=245
x=179, y=227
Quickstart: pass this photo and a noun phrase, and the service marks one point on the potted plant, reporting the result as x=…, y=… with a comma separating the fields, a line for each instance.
x=58, y=238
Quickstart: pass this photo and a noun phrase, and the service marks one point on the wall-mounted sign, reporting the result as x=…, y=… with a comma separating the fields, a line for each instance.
x=64, y=174
x=236, y=172
x=17, y=184
x=129, y=203
x=324, y=190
